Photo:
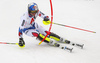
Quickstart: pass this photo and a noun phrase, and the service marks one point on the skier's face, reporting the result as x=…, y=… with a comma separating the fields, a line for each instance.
x=33, y=14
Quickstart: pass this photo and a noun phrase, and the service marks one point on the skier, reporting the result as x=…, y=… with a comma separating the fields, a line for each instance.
x=31, y=28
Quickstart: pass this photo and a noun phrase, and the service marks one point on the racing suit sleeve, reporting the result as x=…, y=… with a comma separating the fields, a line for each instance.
x=42, y=15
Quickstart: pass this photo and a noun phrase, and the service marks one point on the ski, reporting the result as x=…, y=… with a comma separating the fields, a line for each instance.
x=76, y=45
x=12, y=44
x=71, y=49
x=71, y=43
x=63, y=47
x=80, y=45
x=66, y=48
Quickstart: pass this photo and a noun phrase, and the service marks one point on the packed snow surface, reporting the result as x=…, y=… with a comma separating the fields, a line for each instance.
x=83, y=14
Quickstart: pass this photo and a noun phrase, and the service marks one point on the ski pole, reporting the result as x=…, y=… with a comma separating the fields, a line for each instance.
x=12, y=44
x=8, y=43
x=74, y=27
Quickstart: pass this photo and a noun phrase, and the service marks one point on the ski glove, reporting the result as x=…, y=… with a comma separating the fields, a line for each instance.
x=46, y=18
x=46, y=21
x=21, y=43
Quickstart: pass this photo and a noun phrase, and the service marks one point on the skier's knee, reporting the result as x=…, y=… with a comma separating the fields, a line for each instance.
x=40, y=37
x=35, y=34
x=54, y=36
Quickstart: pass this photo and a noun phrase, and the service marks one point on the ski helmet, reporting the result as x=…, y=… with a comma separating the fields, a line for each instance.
x=32, y=8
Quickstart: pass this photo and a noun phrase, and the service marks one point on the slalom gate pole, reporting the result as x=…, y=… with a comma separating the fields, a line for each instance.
x=50, y=23
x=74, y=27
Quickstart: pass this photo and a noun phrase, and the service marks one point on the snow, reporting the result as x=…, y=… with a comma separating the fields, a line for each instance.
x=78, y=13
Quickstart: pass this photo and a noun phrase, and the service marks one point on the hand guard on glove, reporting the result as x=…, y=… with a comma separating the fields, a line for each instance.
x=21, y=43
x=46, y=21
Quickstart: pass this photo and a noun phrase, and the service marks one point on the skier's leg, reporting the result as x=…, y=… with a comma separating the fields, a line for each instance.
x=39, y=36
x=47, y=40
x=58, y=38
x=44, y=32
x=51, y=35
x=40, y=29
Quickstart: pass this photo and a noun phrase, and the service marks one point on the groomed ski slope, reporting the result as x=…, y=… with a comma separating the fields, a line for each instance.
x=79, y=13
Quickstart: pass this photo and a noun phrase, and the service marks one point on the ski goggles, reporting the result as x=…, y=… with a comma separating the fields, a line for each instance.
x=34, y=11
